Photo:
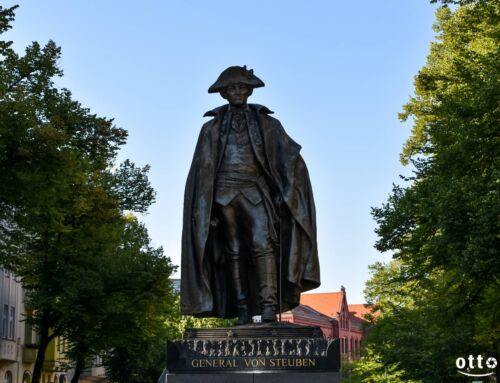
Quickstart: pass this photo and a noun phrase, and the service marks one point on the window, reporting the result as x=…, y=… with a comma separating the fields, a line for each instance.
x=5, y=320
x=8, y=377
x=28, y=333
x=12, y=322
x=58, y=344
x=26, y=377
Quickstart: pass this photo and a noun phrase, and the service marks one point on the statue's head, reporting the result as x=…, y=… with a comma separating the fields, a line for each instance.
x=236, y=84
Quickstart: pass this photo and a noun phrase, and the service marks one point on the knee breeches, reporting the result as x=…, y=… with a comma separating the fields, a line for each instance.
x=245, y=226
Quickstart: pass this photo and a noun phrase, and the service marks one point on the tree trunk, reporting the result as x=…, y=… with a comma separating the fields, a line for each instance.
x=80, y=365
x=40, y=357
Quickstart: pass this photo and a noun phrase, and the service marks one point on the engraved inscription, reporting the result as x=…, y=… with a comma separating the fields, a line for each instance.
x=253, y=362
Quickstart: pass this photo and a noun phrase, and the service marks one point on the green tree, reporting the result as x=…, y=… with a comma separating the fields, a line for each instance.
x=442, y=225
x=420, y=329
x=127, y=326
x=177, y=323
x=370, y=369
x=64, y=232
x=144, y=359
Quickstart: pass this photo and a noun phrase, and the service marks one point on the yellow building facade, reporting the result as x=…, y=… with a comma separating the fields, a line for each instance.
x=18, y=341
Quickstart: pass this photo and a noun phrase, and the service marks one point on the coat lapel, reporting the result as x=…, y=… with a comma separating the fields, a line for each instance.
x=223, y=133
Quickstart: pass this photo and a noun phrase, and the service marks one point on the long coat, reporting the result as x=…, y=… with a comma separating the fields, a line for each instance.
x=205, y=287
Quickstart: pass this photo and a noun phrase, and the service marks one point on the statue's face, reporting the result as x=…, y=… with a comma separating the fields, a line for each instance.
x=237, y=94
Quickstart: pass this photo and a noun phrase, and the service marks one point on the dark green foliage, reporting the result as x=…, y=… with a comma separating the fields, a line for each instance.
x=371, y=369
x=140, y=362
x=176, y=324
x=122, y=360
x=129, y=185
x=89, y=271
x=423, y=327
x=439, y=297
x=139, y=298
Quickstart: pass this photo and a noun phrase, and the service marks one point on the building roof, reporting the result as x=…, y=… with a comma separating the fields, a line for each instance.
x=326, y=303
x=304, y=310
x=362, y=311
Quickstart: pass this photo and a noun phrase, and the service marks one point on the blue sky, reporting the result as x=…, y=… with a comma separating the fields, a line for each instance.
x=336, y=73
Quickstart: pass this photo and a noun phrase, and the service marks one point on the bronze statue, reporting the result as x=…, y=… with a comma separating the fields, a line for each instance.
x=249, y=228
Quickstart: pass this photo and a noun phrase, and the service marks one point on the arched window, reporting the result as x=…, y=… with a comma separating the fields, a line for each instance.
x=56, y=378
x=8, y=377
x=62, y=379
x=26, y=377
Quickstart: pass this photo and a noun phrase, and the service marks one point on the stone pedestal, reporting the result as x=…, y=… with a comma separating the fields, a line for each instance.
x=283, y=377
x=272, y=353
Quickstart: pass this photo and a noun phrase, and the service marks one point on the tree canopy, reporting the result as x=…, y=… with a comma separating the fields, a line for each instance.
x=439, y=296
x=66, y=218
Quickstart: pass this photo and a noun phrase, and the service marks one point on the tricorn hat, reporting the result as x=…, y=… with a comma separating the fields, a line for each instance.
x=236, y=75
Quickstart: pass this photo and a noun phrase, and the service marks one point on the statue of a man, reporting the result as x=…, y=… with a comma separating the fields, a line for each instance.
x=249, y=234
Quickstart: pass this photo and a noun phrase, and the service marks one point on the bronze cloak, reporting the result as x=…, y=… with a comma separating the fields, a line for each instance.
x=205, y=291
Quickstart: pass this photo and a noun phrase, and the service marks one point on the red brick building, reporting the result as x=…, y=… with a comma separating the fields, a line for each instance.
x=335, y=316
x=307, y=316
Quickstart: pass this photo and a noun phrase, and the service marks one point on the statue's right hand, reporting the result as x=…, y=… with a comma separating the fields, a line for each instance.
x=214, y=221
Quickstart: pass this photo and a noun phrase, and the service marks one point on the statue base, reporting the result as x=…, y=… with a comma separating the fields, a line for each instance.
x=280, y=377
x=273, y=352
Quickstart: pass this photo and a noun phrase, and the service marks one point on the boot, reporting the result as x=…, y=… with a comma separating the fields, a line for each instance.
x=240, y=296
x=268, y=314
x=243, y=316
x=267, y=280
